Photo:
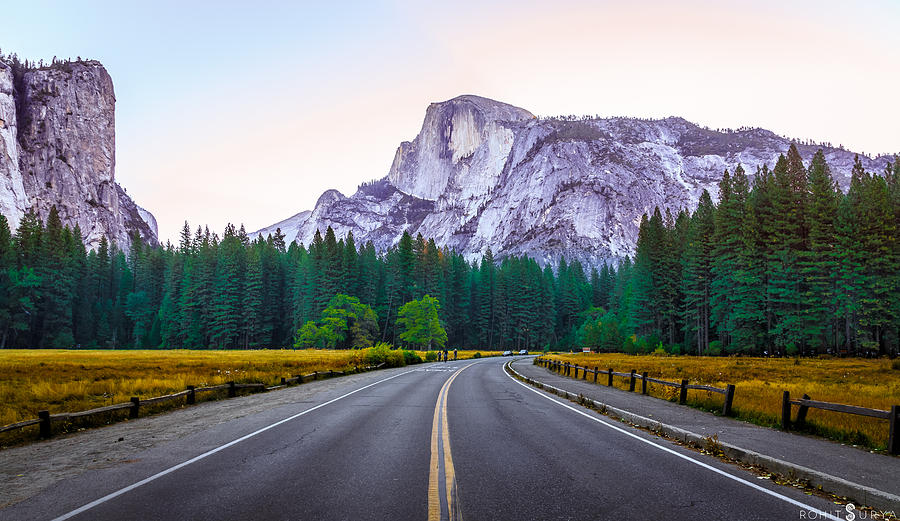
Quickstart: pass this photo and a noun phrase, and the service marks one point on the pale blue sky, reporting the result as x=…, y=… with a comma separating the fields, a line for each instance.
x=246, y=112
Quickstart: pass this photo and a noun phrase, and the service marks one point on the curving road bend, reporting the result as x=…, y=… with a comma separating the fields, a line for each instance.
x=456, y=440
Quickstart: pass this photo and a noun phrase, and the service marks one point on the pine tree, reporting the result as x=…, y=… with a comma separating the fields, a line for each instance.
x=55, y=307
x=819, y=261
x=728, y=242
x=252, y=312
x=789, y=240
x=697, y=269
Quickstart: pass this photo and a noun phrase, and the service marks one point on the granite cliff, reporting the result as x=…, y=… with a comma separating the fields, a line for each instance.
x=483, y=174
x=58, y=147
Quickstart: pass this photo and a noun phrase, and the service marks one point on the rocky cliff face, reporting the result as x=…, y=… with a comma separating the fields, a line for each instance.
x=482, y=174
x=12, y=191
x=58, y=147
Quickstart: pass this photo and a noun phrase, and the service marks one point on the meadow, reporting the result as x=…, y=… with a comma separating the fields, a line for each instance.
x=77, y=380
x=760, y=382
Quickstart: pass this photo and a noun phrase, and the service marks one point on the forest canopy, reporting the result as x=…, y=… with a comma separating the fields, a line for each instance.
x=785, y=264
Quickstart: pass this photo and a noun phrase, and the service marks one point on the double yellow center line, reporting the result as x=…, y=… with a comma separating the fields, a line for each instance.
x=440, y=444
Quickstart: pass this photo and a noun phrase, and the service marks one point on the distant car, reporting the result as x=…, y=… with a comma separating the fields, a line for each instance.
x=523, y=352
x=507, y=353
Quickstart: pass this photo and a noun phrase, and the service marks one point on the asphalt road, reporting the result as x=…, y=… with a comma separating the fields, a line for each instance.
x=456, y=440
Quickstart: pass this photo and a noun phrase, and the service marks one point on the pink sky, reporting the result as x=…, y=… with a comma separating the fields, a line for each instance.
x=248, y=114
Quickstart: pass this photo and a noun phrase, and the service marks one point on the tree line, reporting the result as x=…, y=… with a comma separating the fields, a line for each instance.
x=785, y=265
x=233, y=292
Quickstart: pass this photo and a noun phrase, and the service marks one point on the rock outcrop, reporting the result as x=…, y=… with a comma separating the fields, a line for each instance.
x=58, y=147
x=483, y=174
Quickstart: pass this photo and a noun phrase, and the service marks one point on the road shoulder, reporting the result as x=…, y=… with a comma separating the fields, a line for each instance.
x=870, y=479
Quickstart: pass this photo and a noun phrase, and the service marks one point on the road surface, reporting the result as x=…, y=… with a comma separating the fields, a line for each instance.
x=455, y=440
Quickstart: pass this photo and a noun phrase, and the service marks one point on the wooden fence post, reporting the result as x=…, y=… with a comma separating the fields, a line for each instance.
x=609, y=381
x=135, y=407
x=644, y=382
x=596, y=373
x=801, y=414
x=894, y=437
x=786, y=410
x=191, y=395
x=584, y=377
x=632, y=381
x=232, y=391
x=682, y=396
x=729, y=400
x=576, y=371
x=45, y=423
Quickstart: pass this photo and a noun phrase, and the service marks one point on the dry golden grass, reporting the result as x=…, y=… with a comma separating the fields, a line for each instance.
x=71, y=381
x=760, y=382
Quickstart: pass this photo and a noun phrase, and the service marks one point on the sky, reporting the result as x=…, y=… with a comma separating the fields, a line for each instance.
x=246, y=112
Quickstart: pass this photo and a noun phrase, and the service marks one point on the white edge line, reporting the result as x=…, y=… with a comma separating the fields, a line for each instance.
x=195, y=459
x=676, y=453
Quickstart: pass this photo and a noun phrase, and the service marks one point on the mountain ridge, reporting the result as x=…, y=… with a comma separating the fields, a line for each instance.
x=482, y=174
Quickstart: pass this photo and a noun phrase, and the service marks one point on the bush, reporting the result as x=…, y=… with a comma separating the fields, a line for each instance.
x=375, y=355
x=410, y=357
x=660, y=352
x=675, y=350
x=791, y=350
x=395, y=358
x=431, y=356
x=383, y=354
x=477, y=355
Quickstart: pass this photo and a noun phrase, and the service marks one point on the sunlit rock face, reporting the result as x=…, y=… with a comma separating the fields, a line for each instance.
x=483, y=174
x=58, y=147
x=13, y=200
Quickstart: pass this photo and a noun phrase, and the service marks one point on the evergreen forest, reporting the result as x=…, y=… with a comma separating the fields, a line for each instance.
x=783, y=263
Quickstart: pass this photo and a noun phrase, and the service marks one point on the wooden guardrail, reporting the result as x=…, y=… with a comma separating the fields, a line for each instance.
x=45, y=420
x=683, y=386
x=804, y=404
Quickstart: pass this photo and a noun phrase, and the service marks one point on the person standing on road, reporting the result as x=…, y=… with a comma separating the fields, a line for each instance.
x=454, y=353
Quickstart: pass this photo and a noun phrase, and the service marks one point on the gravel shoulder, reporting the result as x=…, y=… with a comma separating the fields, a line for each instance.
x=27, y=470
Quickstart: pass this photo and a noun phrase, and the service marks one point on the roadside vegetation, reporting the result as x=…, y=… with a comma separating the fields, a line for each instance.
x=77, y=380
x=760, y=382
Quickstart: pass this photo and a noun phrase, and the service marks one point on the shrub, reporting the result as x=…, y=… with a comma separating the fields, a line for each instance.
x=477, y=355
x=660, y=352
x=378, y=354
x=411, y=357
x=431, y=356
x=791, y=350
x=395, y=358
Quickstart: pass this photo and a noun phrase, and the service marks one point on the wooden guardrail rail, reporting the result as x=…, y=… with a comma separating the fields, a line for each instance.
x=45, y=420
x=567, y=369
x=804, y=404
